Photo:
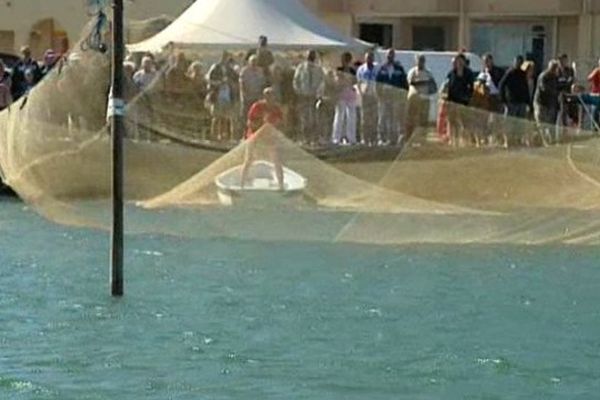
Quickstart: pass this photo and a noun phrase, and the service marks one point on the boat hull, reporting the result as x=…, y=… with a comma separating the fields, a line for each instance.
x=261, y=187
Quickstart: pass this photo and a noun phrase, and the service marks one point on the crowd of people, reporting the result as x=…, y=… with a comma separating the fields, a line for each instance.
x=24, y=75
x=384, y=103
x=353, y=103
x=553, y=99
x=358, y=101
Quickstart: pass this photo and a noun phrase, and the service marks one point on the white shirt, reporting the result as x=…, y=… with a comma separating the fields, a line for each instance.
x=309, y=79
x=367, y=79
x=422, y=77
x=489, y=82
x=143, y=79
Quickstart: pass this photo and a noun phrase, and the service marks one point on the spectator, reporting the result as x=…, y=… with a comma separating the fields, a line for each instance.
x=264, y=56
x=594, y=80
x=460, y=91
x=129, y=85
x=495, y=73
x=421, y=86
x=326, y=107
x=197, y=79
x=222, y=94
x=529, y=68
x=584, y=99
x=252, y=84
x=176, y=80
x=344, y=120
x=277, y=77
x=146, y=75
x=366, y=76
x=19, y=86
x=50, y=61
x=129, y=92
x=566, y=75
x=566, y=79
x=391, y=90
x=288, y=100
x=546, y=100
x=573, y=103
x=514, y=93
x=478, y=120
x=29, y=82
x=514, y=90
x=5, y=96
x=5, y=77
x=490, y=77
x=309, y=83
x=442, y=114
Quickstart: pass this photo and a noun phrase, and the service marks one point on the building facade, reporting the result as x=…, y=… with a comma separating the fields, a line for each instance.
x=539, y=29
x=44, y=24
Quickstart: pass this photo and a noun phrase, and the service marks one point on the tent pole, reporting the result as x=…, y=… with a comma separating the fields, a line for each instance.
x=116, y=114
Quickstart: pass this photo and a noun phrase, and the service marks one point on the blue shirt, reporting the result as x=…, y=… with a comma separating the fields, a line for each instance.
x=367, y=79
x=393, y=75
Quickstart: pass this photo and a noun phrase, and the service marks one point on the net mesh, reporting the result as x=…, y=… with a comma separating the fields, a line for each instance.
x=186, y=156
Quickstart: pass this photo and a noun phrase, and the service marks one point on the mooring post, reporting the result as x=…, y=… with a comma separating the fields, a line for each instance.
x=116, y=111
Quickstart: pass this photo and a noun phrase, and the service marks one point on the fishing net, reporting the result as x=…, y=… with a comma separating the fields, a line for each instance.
x=190, y=171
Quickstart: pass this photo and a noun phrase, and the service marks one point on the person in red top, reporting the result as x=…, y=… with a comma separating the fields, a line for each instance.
x=594, y=80
x=265, y=111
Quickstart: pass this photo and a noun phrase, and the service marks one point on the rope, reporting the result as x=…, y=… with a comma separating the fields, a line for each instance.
x=95, y=39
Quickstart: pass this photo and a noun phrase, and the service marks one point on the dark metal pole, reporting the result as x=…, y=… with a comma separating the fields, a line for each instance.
x=116, y=112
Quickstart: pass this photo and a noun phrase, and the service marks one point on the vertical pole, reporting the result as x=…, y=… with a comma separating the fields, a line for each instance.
x=462, y=26
x=115, y=109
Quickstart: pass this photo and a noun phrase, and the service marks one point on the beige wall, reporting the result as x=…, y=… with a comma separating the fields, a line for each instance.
x=20, y=16
x=454, y=7
x=577, y=23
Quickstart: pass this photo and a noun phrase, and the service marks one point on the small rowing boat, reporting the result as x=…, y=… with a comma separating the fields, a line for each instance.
x=261, y=185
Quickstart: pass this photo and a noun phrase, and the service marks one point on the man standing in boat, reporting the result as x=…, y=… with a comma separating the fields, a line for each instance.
x=265, y=111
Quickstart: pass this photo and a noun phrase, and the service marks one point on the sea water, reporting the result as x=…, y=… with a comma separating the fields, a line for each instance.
x=219, y=319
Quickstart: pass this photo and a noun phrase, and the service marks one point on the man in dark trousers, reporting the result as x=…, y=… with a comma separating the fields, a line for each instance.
x=514, y=92
x=546, y=99
x=460, y=90
x=27, y=63
x=566, y=78
x=392, y=89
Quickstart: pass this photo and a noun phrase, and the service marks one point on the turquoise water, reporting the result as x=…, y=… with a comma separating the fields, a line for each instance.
x=237, y=320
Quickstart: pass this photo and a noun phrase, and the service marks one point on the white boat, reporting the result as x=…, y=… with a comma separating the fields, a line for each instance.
x=261, y=186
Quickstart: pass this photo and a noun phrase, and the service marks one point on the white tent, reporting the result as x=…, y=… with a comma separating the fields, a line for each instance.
x=237, y=24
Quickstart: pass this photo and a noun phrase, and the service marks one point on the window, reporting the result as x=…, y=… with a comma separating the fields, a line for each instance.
x=381, y=34
x=506, y=40
x=428, y=38
x=7, y=41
